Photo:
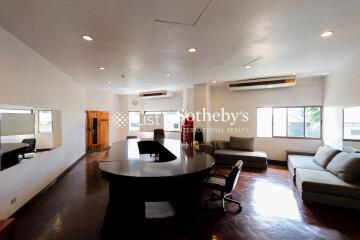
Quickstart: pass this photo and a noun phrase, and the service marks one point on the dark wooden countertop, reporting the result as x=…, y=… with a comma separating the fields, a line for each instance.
x=124, y=160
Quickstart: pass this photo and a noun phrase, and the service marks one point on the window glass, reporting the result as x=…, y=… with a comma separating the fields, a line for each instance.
x=352, y=123
x=296, y=122
x=134, y=121
x=313, y=122
x=279, y=118
x=264, y=122
x=45, y=121
x=171, y=121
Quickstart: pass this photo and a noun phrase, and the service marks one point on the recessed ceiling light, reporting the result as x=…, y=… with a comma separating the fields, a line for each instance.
x=192, y=50
x=214, y=82
x=327, y=34
x=102, y=68
x=248, y=66
x=87, y=37
x=168, y=74
x=108, y=82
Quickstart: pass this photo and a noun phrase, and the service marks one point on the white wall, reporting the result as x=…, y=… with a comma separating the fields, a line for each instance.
x=341, y=90
x=27, y=79
x=99, y=100
x=121, y=133
x=201, y=101
x=307, y=92
x=156, y=104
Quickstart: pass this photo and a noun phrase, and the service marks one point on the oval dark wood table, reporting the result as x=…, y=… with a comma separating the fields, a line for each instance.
x=140, y=171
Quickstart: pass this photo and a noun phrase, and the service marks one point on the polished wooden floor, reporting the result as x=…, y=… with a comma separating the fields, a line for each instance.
x=76, y=208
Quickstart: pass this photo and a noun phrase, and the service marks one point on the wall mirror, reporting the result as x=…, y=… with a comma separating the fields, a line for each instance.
x=26, y=132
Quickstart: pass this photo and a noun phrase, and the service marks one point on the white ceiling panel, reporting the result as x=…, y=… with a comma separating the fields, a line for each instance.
x=286, y=34
x=187, y=12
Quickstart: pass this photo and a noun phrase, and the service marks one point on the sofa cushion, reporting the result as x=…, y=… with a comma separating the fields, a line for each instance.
x=243, y=144
x=301, y=161
x=346, y=166
x=219, y=144
x=324, y=155
x=325, y=182
x=240, y=155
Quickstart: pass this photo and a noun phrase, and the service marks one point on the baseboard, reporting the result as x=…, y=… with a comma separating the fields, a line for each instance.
x=276, y=162
x=52, y=183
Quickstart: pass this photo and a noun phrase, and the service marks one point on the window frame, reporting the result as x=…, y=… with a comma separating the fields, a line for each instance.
x=25, y=111
x=343, y=128
x=287, y=123
x=162, y=112
x=52, y=121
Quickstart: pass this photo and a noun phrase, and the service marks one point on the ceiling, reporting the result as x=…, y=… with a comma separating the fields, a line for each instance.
x=139, y=41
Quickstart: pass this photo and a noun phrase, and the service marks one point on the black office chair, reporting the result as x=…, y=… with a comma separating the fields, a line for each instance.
x=131, y=137
x=31, y=148
x=159, y=134
x=224, y=184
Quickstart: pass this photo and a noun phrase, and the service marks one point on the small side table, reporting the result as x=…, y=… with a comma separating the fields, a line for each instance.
x=7, y=227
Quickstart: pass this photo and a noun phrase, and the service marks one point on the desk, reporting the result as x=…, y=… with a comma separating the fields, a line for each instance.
x=7, y=228
x=9, y=154
x=136, y=178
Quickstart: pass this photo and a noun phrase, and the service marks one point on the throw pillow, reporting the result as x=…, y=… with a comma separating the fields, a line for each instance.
x=324, y=155
x=220, y=145
x=346, y=166
x=243, y=144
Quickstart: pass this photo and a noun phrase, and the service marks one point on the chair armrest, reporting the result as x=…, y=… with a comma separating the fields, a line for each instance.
x=223, y=171
x=218, y=175
x=224, y=165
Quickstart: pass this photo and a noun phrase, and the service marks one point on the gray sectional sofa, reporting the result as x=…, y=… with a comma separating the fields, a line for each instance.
x=332, y=178
x=229, y=152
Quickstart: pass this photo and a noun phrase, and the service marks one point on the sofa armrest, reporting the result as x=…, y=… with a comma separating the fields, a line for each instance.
x=206, y=148
x=299, y=152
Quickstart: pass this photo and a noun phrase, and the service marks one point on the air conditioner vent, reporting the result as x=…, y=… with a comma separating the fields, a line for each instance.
x=263, y=83
x=156, y=94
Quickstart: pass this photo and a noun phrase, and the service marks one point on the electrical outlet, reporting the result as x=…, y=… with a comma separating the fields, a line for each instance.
x=13, y=200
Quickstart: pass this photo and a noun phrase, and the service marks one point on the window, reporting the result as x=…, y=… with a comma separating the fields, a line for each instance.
x=134, y=121
x=351, y=124
x=264, y=122
x=295, y=122
x=280, y=119
x=313, y=122
x=291, y=122
x=20, y=111
x=152, y=113
x=45, y=121
x=172, y=121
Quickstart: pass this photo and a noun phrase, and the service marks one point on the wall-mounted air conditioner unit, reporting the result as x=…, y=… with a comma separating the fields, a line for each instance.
x=263, y=83
x=156, y=94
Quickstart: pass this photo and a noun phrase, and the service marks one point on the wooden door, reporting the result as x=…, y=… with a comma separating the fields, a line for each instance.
x=97, y=130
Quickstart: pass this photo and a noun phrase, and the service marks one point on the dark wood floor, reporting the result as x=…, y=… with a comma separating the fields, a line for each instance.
x=76, y=208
